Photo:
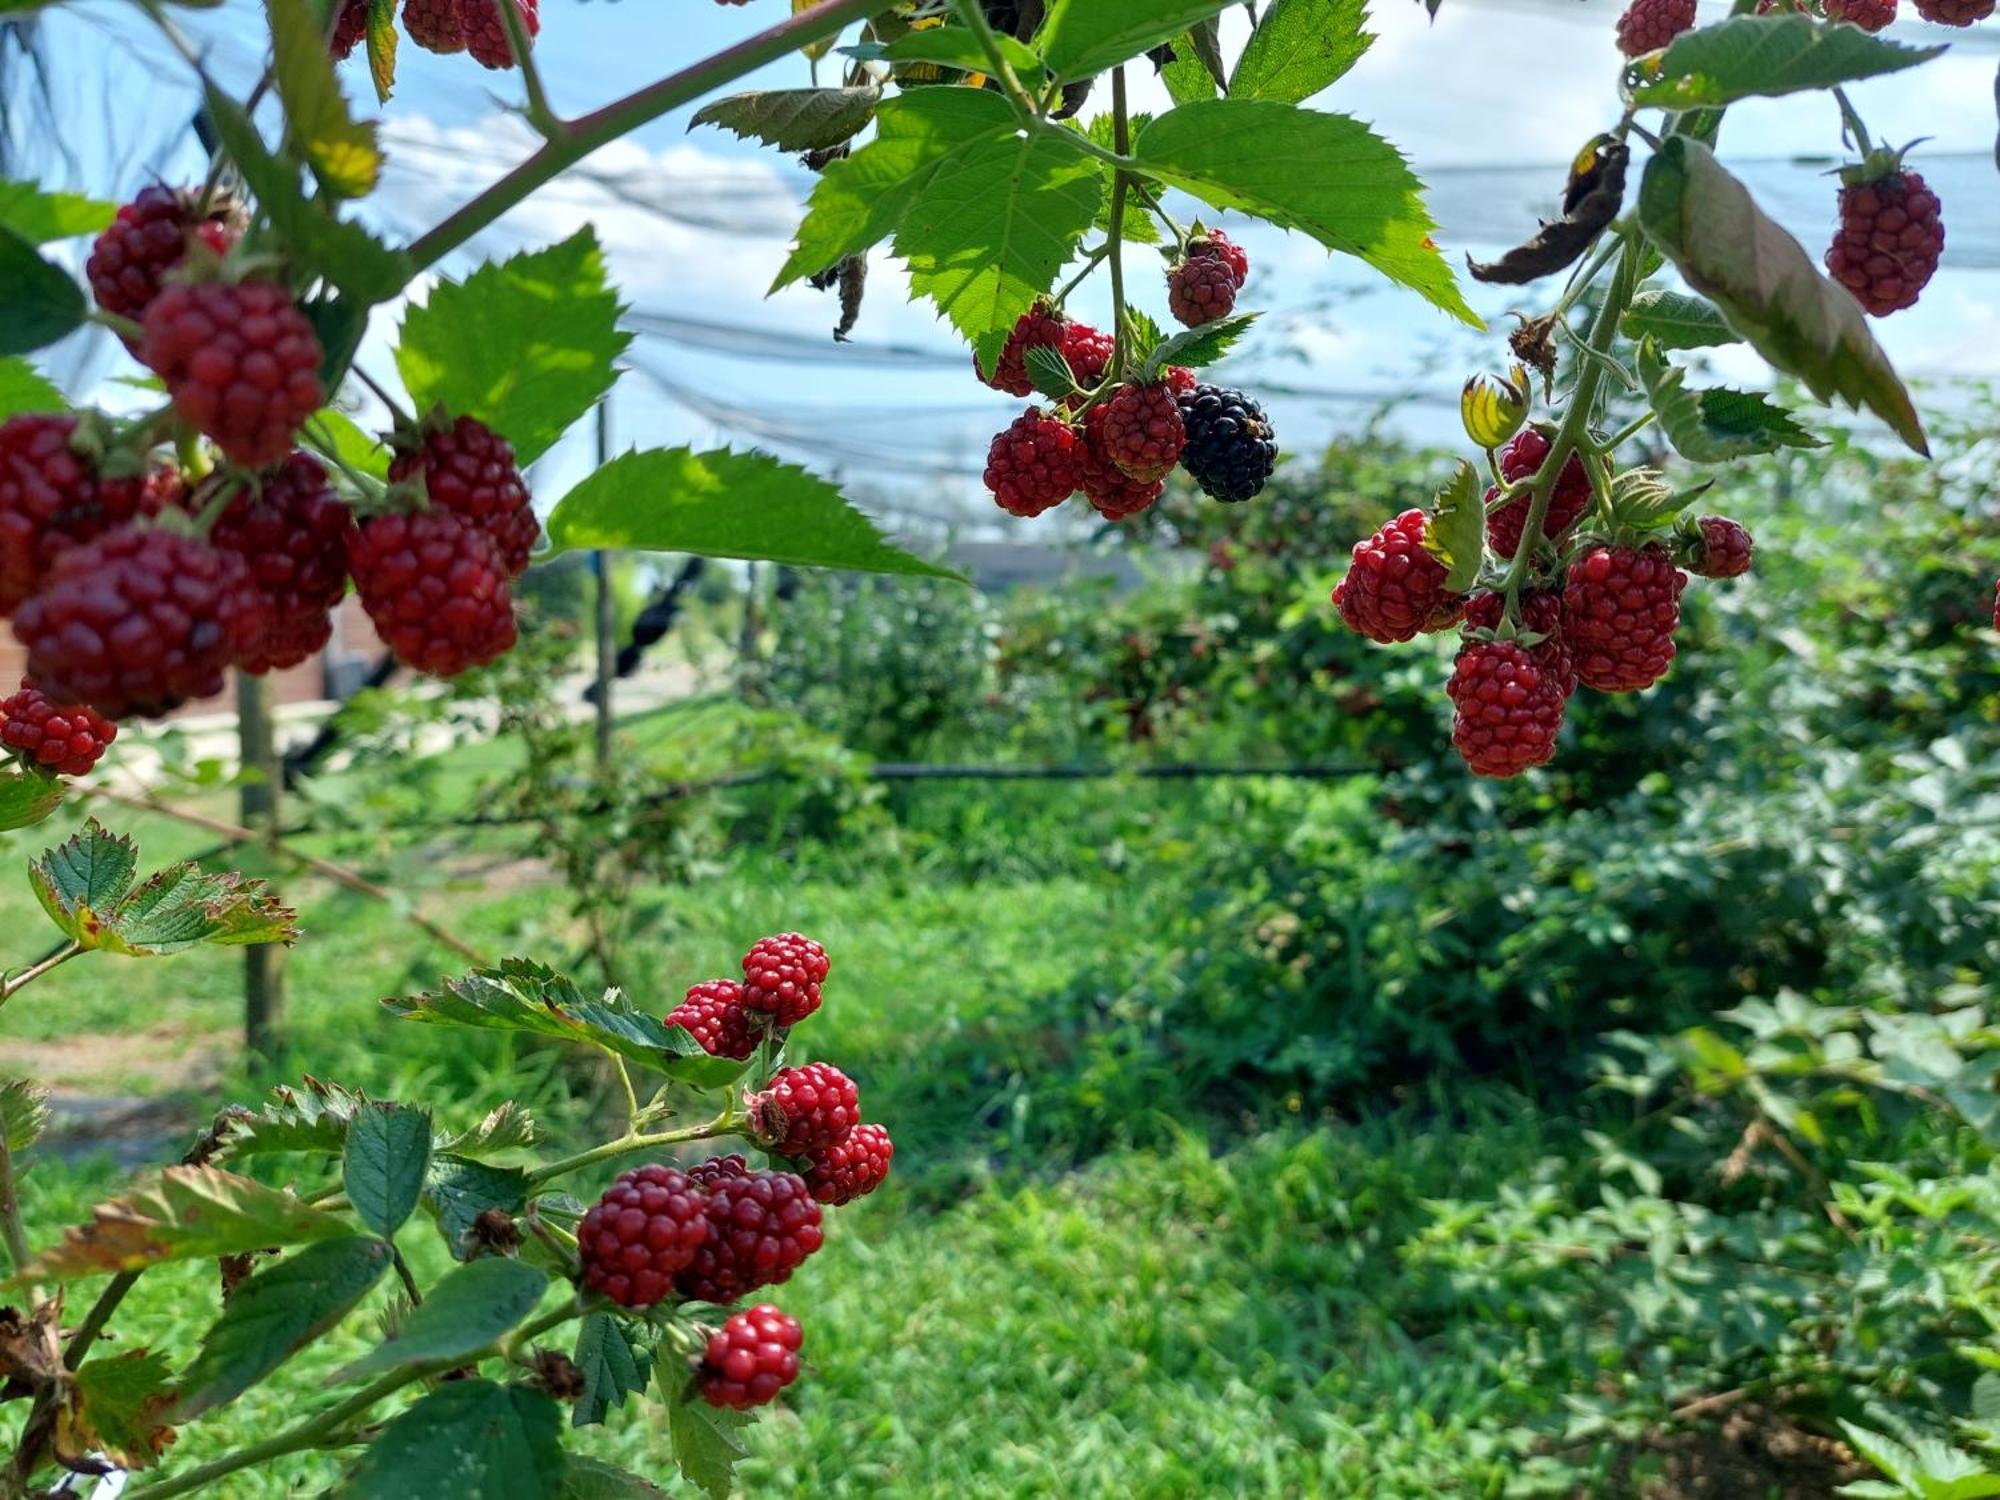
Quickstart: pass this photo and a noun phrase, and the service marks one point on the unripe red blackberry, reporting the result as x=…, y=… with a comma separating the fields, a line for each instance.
x=1869, y=15
x=349, y=27
x=1088, y=352
x=1038, y=328
x=750, y=1358
x=51, y=499
x=291, y=532
x=1032, y=466
x=1201, y=289
x=435, y=588
x=1955, y=12
x=1648, y=25
x=1522, y=458
x=139, y=621
x=150, y=236
x=1540, y=610
x=1889, y=241
x=64, y=739
x=1112, y=493
x=783, y=975
x=1508, y=709
x=1723, y=548
x=805, y=1109
x=1621, y=606
x=641, y=1234
x=851, y=1168
x=1143, y=431
x=1395, y=589
x=485, y=28
x=706, y=1174
x=469, y=469
x=241, y=362
x=1219, y=245
x=760, y=1227
x=715, y=1016
x=436, y=25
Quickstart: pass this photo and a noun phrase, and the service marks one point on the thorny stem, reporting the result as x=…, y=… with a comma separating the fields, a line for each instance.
x=1090, y=263
x=1148, y=197
x=9, y=987
x=317, y=1430
x=1120, y=185
x=722, y=1124
x=540, y=115
x=631, y=1096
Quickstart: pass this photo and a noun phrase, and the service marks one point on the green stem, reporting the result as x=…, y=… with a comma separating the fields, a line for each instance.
x=1151, y=200
x=973, y=14
x=1623, y=435
x=10, y=987
x=1120, y=185
x=317, y=1430
x=546, y=121
x=1090, y=263
x=601, y=127
x=11, y=1227
x=631, y=1141
x=1851, y=118
x=631, y=1095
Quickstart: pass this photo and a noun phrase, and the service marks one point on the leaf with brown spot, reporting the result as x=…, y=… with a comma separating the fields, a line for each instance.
x=117, y=1407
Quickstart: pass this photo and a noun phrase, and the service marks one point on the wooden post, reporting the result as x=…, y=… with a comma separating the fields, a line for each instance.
x=263, y=963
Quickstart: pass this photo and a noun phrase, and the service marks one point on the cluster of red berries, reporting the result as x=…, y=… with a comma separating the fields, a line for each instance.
x=1603, y=616
x=477, y=27
x=135, y=586
x=54, y=738
x=1117, y=446
x=1874, y=15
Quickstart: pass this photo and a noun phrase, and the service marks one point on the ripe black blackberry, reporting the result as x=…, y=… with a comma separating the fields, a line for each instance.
x=1231, y=449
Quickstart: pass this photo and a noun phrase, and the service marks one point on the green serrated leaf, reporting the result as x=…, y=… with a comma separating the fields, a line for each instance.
x=1081, y=38
x=1187, y=77
x=117, y=1407
x=358, y=450
x=1674, y=320
x=1142, y=334
x=528, y=345
x=381, y=44
x=705, y=1444
x=996, y=225
x=1455, y=533
x=1299, y=48
x=384, y=1166
x=24, y=1112
x=613, y=1366
x=24, y=388
x=39, y=217
x=507, y=1127
x=1360, y=197
x=466, y=1440
x=313, y=1118
x=794, y=119
x=1714, y=426
x=1049, y=372
x=27, y=797
x=182, y=907
x=39, y=303
x=594, y=1479
x=461, y=1315
x=955, y=47
x=1748, y=56
x=185, y=1213
x=84, y=877
x=459, y=1191
x=1766, y=286
x=725, y=504
x=1199, y=347
x=343, y=155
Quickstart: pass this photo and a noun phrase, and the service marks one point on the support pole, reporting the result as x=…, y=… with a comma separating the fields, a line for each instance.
x=263, y=963
x=607, y=610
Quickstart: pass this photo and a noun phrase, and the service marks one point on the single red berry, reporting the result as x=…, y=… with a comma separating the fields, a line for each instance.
x=349, y=27
x=291, y=532
x=760, y=1227
x=750, y=1358
x=1143, y=431
x=783, y=975
x=1038, y=328
x=806, y=1109
x=641, y=1234
x=1869, y=15
x=1032, y=466
x=1089, y=353
x=486, y=35
x=434, y=586
x=469, y=469
x=436, y=25
x=1621, y=606
x=1395, y=589
x=851, y=1168
x=715, y=1016
x=139, y=622
x=241, y=362
x=1201, y=289
x=1889, y=241
x=1219, y=245
x=1724, y=551
x=1508, y=708
x=151, y=236
x=1955, y=12
x=1181, y=380
x=64, y=739
x=706, y=1174
x=1112, y=493
x=1521, y=459
x=1648, y=25
x=51, y=499
x=1540, y=611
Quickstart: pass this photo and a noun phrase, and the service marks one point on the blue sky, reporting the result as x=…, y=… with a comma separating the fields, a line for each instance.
x=1489, y=89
